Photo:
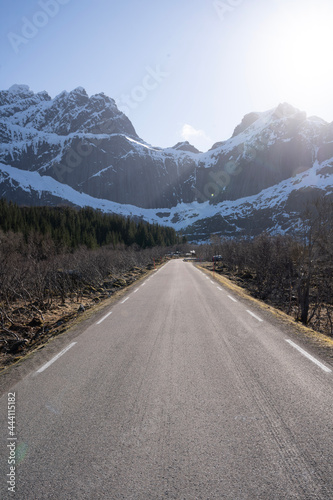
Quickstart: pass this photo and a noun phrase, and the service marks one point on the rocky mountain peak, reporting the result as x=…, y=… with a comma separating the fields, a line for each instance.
x=247, y=121
x=87, y=149
x=19, y=98
x=285, y=110
x=20, y=89
x=186, y=146
x=67, y=113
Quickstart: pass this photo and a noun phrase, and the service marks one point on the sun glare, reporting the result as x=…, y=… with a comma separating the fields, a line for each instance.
x=305, y=55
x=296, y=54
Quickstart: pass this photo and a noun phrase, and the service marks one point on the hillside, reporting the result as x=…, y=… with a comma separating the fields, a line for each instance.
x=82, y=151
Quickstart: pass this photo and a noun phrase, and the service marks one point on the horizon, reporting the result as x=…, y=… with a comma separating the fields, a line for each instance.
x=179, y=73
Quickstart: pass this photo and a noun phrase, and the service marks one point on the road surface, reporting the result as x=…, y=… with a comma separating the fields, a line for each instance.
x=181, y=390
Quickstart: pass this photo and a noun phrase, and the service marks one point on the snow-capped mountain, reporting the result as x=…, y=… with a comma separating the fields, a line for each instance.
x=82, y=150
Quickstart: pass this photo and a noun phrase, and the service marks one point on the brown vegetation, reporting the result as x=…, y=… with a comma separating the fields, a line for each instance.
x=292, y=273
x=41, y=290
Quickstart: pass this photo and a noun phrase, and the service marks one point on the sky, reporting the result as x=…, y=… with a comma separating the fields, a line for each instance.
x=179, y=69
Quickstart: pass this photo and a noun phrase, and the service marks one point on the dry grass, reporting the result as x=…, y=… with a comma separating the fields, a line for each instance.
x=317, y=339
x=35, y=329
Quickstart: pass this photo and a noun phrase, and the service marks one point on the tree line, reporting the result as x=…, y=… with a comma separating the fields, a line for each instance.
x=62, y=257
x=71, y=228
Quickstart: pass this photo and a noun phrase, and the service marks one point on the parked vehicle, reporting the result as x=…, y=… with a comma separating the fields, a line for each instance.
x=217, y=258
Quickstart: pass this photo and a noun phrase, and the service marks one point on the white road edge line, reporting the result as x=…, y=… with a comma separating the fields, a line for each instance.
x=104, y=317
x=136, y=290
x=254, y=315
x=123, y=302
x=49, y=363
x=212, y=282
x=230, y=297
x=219, y=289
x=309, y=356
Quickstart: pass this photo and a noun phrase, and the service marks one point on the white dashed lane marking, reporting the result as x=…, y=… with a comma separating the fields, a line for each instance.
x=290, y=342
x=309, y=356
x=61, y=353
x=254, y=315
x=104, y=317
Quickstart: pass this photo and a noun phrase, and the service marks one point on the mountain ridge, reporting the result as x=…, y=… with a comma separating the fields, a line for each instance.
x=87, y=144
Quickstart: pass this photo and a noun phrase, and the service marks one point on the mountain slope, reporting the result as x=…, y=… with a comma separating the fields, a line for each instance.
x=83, y=151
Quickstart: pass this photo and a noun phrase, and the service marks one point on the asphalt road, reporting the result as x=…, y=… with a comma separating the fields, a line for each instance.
x=181, y=390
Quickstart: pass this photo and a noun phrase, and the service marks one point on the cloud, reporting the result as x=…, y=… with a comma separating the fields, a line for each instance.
x=198, y=138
